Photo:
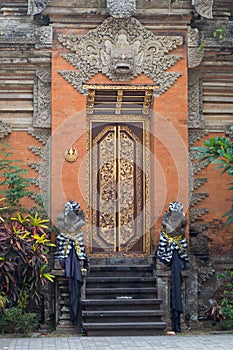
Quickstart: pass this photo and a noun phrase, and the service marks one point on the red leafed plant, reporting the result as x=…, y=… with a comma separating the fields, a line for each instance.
x=24, y=249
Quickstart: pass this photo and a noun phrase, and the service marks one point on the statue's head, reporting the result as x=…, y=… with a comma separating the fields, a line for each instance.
x=121, y=58
x=176, y=207
x=71, y=206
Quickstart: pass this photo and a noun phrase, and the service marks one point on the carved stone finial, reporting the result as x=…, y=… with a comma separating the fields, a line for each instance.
x=204, y=7
x=121, y=8
x=36, y=6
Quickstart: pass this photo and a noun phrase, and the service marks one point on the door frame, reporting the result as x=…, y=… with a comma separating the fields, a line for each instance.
x=105, y=119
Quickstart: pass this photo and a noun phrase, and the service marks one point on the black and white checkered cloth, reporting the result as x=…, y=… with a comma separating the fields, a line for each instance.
x=66, y=241
x=167, y=244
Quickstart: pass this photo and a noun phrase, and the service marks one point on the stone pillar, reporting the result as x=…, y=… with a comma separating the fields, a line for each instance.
x=189, y=295
x=62, y=301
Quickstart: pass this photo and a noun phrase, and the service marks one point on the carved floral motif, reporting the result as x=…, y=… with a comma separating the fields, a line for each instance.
x=43, y=37
x=195, y=49
x=119, y=206
x=42, y=99
x=196, y=119
x=121, y=49
x=121, y=8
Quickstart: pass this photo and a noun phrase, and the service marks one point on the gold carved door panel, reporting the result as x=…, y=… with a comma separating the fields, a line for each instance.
x=117, y=189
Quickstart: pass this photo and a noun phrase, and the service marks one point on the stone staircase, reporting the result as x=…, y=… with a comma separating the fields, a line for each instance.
x=121, y=298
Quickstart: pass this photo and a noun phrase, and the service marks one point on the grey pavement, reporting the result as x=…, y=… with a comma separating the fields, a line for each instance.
x=166, y=342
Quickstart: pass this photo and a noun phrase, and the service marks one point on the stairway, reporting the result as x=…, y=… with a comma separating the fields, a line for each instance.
x=121, y=298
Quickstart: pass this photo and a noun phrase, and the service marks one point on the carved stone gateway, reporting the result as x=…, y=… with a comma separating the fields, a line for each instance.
x=121, y=49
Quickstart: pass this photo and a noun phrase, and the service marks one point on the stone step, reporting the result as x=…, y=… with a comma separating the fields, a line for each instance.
x=121, y=298
x=112, y=293
x=113, y=261
x=124, y=328
x=131, y=271
x=120, y=304
x=120, y=316
x=110, y=282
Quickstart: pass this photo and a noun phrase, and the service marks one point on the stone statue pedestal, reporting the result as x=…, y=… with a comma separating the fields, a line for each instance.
x=189, y=294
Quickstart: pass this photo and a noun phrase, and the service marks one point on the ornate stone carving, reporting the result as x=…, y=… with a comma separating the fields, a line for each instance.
x=42, y=167
x=17, y=34
x=195, y=48
x=198, y=227
x=198, y=182
x=205, y=271
x=44, y=36
x=197, y=197
x=196, y=213
x=196, y=119
x=229, y=131
x=26, y=34
x=40, y=134
x=121, y=8
x=121, y=49
x=204, y=7
x=42, y=99
x=196, y=166
x=37, y=6
x=5, y=129
x=196, y=135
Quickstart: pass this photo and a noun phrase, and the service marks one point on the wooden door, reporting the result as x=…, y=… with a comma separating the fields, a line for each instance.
x=117, y=194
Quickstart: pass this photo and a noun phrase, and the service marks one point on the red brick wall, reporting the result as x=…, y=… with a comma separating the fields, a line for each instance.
x=19, y=141
x=218, y=202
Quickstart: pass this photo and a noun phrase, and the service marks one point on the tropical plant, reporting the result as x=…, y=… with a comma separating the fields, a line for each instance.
x=219, y=151
x=24, y=250
x=226, y=278
x=14, y=321
x=3, y=302
x=14, y=184
x=221, y=309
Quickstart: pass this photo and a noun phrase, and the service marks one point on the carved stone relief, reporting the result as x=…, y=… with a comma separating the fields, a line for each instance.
x=229, y=131
x=121, y=49
x=196, y=213
x=43, y=37
x=5, y=129
x=42, y=99
x=204, y=7
x=42, y=167
x=121, y=8
x=196, y=119
x=198, y=182
x=195, y=49
x=196, y=197
x=37, y=6
x=26, y=34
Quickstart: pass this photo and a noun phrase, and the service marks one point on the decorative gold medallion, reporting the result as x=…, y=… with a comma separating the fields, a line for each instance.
x=71, y=154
